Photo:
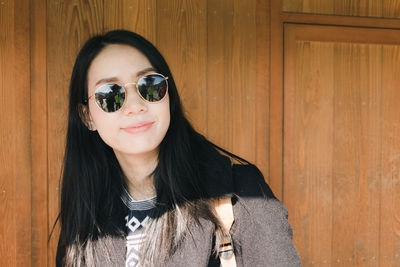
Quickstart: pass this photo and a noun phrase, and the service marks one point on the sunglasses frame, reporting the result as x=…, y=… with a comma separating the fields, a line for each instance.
x=126, y=91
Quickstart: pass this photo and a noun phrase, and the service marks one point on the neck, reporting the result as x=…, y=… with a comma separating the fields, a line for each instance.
x=137, y=170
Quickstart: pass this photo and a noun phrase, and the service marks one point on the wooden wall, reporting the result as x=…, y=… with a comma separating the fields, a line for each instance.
x=217, y=50
x=15, y=134
x=227, y=57
x=340, y=142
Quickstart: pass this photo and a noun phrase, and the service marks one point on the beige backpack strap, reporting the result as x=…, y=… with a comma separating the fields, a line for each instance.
x=223, y=207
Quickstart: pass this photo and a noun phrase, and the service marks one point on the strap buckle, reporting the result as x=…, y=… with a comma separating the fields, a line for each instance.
x=226, y=250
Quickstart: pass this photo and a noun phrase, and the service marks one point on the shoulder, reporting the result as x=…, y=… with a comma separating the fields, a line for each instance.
x=249, y=181
x=257, y=199
x=261, y=228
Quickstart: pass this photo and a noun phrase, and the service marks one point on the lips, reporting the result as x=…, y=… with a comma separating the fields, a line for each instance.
x=138, y=127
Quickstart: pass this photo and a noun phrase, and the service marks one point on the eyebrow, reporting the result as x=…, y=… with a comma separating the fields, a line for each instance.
x=115, y=79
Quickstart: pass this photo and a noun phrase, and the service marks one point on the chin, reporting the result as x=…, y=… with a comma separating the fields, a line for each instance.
x=137, y=149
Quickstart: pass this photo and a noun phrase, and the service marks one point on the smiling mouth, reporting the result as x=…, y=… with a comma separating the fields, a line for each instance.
x=141, y=127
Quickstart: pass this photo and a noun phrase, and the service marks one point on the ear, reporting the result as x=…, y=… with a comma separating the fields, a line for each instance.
x=84, y=114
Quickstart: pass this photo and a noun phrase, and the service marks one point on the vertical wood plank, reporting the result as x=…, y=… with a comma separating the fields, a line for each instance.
x=287, y=185
x=244, y=79
x=70, y=24
x=276, y=101
x=390, y=184
x=263, y=25
x=15, y=173
x=345, y=177
x=233, y=97
x=310, y=137
x=8, y=240
x=182, y=39
x=219, y=79
x=40, y=230
x=369, y=67
x=22, y=130
x=138, y=16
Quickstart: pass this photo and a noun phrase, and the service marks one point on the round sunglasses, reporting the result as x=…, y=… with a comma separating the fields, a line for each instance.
x=111, y=97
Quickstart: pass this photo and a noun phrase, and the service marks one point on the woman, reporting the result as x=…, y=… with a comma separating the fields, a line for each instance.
x=140, y=185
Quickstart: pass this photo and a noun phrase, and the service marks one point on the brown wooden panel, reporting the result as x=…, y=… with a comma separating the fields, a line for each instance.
x=7, y=141
x=390, y=183
x=356, y=155
x=137, y=16
x=262, y=85
x=219, y=77
x=340, y=145
x=69, y=25
x=21, y=131
x=276, y=101
x=244, y=79
x=15, y=171
x=237, y=92
x=309, y=128
x=182, y=39
x=362, y=8
x=40, y=231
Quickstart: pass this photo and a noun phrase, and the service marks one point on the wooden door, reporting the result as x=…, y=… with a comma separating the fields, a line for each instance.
x=341, y=144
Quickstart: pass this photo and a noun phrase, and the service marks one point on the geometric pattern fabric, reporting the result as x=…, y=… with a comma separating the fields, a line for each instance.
x=136, y=221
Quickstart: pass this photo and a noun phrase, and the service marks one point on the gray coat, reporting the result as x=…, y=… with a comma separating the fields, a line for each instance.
x=261, y=233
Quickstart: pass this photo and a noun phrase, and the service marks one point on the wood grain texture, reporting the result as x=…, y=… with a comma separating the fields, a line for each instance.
x=22, y=131
x=219, y=77
x=15, y=171
x=390, y=184
x=7, y=142
x=244, y=79
x=262, y=85
x=182, y=39
x=236, y=106
x=340, y=147
x=309, y=127
x=69, y=25
x=334, y=20
x=39, y=204
x=356, y=177
x=276, y=101
x=341, y=176
x=139, y=16
x=357, y=8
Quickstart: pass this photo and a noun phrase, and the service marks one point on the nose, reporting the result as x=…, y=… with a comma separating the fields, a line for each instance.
x=134, y=104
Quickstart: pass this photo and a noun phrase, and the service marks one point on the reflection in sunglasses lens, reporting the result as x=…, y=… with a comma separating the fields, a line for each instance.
x=110, y=97
x=152, y=87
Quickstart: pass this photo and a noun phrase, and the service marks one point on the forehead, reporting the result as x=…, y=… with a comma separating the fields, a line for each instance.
x=117, y=61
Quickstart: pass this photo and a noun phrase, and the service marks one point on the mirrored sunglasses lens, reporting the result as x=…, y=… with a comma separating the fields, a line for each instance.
x=110, y=97
x=153, y=87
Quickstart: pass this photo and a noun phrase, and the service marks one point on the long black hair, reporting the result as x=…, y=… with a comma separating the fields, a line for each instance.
x=92, y=179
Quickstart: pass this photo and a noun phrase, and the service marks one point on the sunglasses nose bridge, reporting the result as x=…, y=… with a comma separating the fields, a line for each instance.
x=127, y=85
x=133, y=100
x=133, y=87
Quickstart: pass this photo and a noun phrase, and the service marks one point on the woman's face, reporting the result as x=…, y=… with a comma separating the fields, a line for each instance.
x=139, y=126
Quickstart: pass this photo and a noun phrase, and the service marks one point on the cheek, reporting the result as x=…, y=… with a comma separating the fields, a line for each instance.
x=103, y=122
x=94, y=111
x=165, y=115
